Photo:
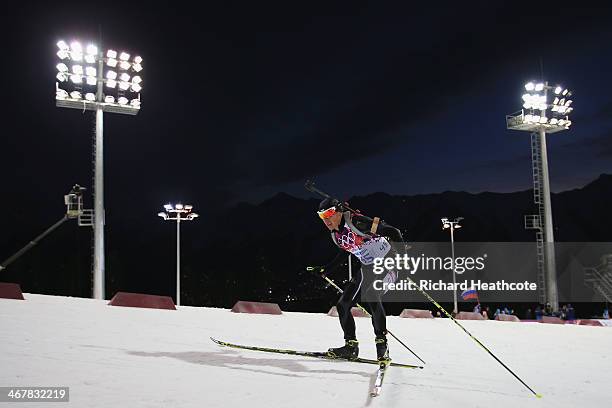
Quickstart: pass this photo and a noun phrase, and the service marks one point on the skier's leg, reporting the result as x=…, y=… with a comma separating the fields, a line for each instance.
x=344, y=305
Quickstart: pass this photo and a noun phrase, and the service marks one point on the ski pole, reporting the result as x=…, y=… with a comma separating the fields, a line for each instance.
x=473, y=338
x=331, y=282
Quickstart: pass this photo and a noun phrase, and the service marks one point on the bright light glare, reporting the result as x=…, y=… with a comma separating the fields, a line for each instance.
x=111, y=62
x=565, y=91
x=92, y=49
x=529, y=86
x=111, y=54
x=91, y=71
x=137, y=59
x=61, y=67
x=124, y=56
x=135, y=103
x=539, y=87
x=90, y=59
x=543, y=119
x=61, y=76
x=91, y=80
x=90, y=96
x=77, y=79
x=558, y=90
x=111, y=83
x=109, y=99
x=124, y=65
x=62, y=45
x=77, y=69
x=179, y=206
x=168, y=206
x=124, y=77
x=136, y=88
x=75, y=95
x=553, y=121
x=76, y=56
x=137, y=67
x=111, y=75
x=76, y=46
x=123, y=100
x=136, y=79
x=124, y=85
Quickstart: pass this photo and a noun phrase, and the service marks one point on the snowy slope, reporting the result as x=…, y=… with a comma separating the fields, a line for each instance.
x=129, y=357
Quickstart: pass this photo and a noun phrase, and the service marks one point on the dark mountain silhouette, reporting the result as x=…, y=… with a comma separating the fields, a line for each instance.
x=259, y=251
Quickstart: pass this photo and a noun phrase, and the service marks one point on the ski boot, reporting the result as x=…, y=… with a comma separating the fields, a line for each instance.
x=382, y=349
x=349, y=351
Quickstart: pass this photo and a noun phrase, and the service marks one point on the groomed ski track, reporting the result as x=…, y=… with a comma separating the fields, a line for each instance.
x=129, y=357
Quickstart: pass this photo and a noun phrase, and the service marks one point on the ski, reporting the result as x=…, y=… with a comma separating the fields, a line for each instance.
x=380, y=376
x=315, y=354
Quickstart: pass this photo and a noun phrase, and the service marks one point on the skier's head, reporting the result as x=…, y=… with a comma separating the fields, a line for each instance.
x=330, y=211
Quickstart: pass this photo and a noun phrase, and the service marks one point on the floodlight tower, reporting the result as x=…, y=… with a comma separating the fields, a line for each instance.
x=539, y=116
x=82, y=84
x=453, y=225
x=178, y=213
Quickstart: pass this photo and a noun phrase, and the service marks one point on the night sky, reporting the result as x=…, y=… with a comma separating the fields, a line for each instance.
x=243, y=101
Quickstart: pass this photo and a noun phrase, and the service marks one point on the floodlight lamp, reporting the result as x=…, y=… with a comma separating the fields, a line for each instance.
x=569, y=102
x=77, y=69
x=111, y=83
x=62, y=45
x=135, y=103
x=62, y=77
x=561, y=122
x=91, y=71
x=122, y=100
x=536, y=118
x=76, y=56
x=568, y=110
x=555, y=108
x=189, y=207
x=553, y=121
x=179, y=206
x=111, y=75
x=539, y=87
x=137, y=59
x=528, y=118
x=77, y=79
x=137, y=67
x=555, y=101
x=76, y=46
x=543, y=119
x=529, y=86
x=91, y=80
x=90, y=59
x=124, y=86
x=124, y=65
x=124, y=77
x=75, y=95
x=136, y=88
x=124, y=56
x=526, y=97
x=111, y=62
x=63, y=54
x=558, y=90
x=61, y=67
x=568, y=123
x=111, y=54
x=168, y=207
x=565, y=91
x=90, y=96
x=109, y=99
x=61, y=94
x=92, y=49
x=136, y=79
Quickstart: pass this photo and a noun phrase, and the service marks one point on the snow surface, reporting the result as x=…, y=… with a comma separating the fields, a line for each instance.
x=130, y=357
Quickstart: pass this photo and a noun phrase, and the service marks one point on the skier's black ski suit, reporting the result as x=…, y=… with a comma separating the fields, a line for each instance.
x=363, y=278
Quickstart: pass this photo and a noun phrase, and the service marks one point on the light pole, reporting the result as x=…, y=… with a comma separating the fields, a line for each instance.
x=453, y=225
x=178, y=213
x=534, y=118
x=82, y=84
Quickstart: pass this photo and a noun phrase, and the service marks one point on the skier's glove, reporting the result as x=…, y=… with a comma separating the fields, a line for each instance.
x=316, y=270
